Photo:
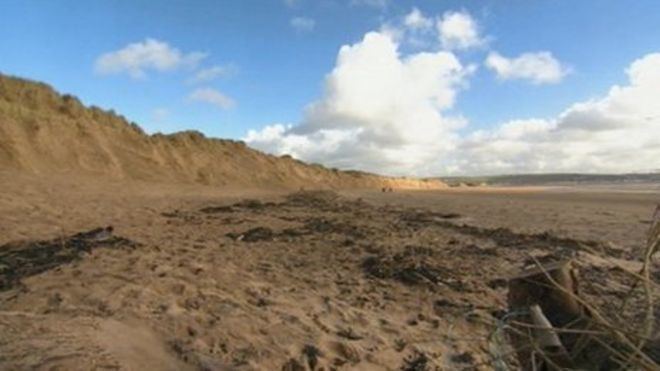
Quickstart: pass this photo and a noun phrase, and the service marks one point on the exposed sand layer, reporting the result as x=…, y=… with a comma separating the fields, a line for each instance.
x=196, y=277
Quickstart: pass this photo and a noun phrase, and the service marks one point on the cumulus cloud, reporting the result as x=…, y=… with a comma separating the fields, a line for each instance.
x=418, y=31
x=303, y=24
x=150, y=54
x=386, y=113
x=619, y=132
x=212, y=96
x=539, y=68
x=458, y=30
x=417, y=21
x=387, y=110
x=381, y=111
x=211, y=73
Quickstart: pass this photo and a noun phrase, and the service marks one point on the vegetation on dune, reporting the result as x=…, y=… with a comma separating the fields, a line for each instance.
x=42, y=131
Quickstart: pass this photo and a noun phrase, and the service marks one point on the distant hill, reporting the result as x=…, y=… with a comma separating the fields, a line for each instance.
x=42, y=132
x=554, y=179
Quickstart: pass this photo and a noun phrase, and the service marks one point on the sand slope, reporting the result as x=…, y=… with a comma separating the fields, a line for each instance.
x=44, y=132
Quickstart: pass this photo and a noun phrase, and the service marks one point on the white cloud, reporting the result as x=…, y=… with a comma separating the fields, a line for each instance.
x=619, y=132
x=303, y=24
x=393, y=113
x=539, y=67
x=386, y=113
x=150, y=54
x=458, y=30
x=381, y=111
x=212, y=96
x=211, y=73
x=417, y=21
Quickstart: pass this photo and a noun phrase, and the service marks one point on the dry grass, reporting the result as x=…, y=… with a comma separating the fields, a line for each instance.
x=616, y=344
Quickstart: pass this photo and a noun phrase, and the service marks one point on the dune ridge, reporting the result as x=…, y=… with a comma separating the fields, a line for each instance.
x=45, y=132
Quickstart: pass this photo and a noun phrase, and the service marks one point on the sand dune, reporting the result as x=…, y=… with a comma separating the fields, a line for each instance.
x=44, y=132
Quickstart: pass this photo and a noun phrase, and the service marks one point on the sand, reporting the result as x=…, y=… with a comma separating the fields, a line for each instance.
x=44, y=132
x=235, y=279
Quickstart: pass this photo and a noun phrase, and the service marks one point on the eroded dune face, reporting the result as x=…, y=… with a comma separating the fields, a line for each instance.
x=44, y=132
x=200, y=278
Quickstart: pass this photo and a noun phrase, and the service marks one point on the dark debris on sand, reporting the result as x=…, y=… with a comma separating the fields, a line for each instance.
x=413, y=266
x=247, y=204
x=254, y=205
x=217, y=209
x=469, y=260
x=418, y=361
x=321, y=200
x=253, y=235
x=324, y=226
x=27, y=258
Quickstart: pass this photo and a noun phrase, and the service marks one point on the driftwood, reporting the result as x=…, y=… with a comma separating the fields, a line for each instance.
x=553, y=330
x=541, y=306
x=547, y=336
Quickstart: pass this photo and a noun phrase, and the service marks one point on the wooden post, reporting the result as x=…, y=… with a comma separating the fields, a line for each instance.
x=547, y=317
x=542, y=306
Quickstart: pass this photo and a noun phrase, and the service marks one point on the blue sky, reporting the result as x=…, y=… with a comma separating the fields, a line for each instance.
x=272, y=58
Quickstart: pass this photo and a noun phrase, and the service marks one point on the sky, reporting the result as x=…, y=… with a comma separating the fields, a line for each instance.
x=397, y=87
